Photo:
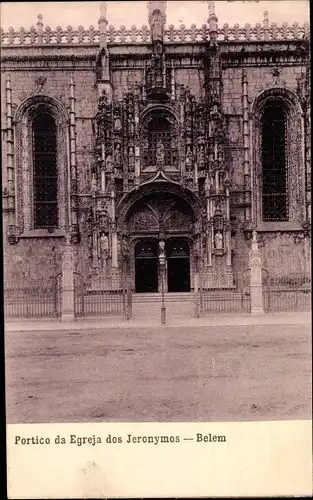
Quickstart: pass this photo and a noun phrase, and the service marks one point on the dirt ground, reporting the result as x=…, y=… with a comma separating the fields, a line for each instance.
x=159, y=374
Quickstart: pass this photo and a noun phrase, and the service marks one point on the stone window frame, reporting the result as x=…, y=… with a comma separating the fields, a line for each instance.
x=295, y=159
x=24, y=165
x=149, y=114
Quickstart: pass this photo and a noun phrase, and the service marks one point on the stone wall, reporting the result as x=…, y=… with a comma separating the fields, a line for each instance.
x=42, y=254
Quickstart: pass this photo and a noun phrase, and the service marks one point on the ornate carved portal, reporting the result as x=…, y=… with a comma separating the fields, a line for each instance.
x=161, y=217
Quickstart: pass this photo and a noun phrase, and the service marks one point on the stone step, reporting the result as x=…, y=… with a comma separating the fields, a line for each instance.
x=139, y=298
x=173, y=310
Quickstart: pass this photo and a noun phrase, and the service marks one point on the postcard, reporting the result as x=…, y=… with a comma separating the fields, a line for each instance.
x=157, y=248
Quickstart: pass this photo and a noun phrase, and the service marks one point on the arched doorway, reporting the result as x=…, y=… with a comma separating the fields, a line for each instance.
x=158, y=211
x=146, y=266
x=178, y=265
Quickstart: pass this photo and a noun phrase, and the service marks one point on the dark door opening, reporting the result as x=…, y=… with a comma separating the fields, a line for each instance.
x=178, y=266
x=146, y=267
x=178, y=274
x=146, y=275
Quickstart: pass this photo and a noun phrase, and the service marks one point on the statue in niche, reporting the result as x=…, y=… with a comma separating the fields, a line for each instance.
x=131, y=158
x=218, y=240
x=130, y=123
x=104, y=246
x=104, y=218
x=201, y=155
x=117, y=123
x=93, y=184
x=188, y=158
x=157, y=27
x=162, y=248
x=108, y=163
x=117, y=154
x=160, y=153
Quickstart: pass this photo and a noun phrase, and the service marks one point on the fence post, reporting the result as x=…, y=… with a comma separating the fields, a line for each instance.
x=196, y=289
x=67, y=283
x=129, y=299
x=256, y=288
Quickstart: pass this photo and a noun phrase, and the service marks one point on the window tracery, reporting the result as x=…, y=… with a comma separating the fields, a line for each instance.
x=159, y=141
x=42, y=172
x=274, y=164
x=45, y=176
x=279, y=171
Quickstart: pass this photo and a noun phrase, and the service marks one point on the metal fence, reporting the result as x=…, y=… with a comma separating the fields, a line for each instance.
x=100, y=296
x=220, y=299
x=287, y=293
x=32, y=298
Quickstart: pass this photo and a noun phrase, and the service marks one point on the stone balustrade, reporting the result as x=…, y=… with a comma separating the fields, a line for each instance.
x=45, y=36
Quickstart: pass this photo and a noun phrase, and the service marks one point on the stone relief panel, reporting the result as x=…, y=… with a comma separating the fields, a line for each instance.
x=177, y=220
x=144, y=221
x=160, y=213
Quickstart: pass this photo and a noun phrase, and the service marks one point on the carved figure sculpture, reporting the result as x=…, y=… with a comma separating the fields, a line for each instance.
x=157, y=27
x=131, y=158
x=162, y=248
x=218, y=240
x=160, y=154
x=201, y=155
x=188, y=158
x=104, y=245
x=108, y=163
x=130, y=124
x=117, y=123
x=117, y=154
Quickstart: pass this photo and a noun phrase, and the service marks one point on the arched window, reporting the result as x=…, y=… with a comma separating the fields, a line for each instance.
x=45, y=175
x=274, y=162
x=159, y=132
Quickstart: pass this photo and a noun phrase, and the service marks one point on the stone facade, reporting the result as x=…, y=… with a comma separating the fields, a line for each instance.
x=120, y=183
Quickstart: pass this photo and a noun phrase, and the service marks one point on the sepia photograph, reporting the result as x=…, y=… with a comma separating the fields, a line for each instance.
x=156, y=173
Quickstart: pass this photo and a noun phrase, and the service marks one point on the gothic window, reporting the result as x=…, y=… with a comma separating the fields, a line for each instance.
x=274, y=162
x=159, y=132
x=45, y=176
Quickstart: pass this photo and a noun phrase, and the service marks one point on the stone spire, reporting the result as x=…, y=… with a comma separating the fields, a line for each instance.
x=212, y=20
x=102, y=65
x=103, y=26
x=157, y=19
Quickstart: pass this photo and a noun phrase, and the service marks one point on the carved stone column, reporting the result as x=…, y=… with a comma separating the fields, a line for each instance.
x=68, y=282
x=9, y=193
x=73, y=168
x=246, y=145
x=256, y=289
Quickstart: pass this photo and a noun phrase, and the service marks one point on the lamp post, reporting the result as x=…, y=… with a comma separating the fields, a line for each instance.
x=162, y=266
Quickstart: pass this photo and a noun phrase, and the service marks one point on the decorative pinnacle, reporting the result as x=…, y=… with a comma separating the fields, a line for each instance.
x=103, y=25
x=265, y=20
x=103, y=11
x=154, y=6
x=212, y=20
x=39, y=20
x=211, y=8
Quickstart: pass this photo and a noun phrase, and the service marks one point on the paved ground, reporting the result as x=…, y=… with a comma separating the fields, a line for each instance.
x=195, y=373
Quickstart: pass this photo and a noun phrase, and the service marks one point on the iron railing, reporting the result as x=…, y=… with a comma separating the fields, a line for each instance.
x=99, y=296
x=219, y=298
x=287, y=293
x=224, y=300
x=32, y=298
